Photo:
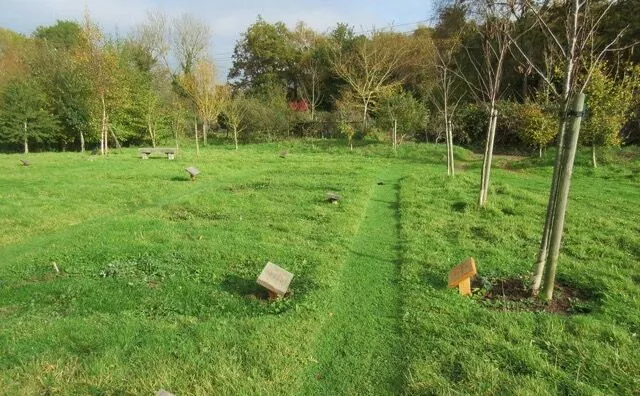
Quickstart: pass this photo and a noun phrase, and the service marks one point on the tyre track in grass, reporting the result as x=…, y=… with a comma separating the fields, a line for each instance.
x=360, y=349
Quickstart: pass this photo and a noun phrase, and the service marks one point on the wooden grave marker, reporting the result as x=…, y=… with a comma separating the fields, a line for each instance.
x=193, y=172
x=275, y=279
x=461, y=275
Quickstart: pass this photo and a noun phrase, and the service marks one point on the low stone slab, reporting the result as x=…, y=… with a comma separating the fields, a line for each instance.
x=25, y=162
x=145, y=152
x=275, y=279
x=333, y=197
x=193, y=172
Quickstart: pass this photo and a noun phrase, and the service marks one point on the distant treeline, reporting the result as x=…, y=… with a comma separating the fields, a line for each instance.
x=69, y=86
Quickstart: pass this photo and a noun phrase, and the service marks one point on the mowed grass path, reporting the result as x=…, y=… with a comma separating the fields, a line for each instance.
x=157, y=284
x=360, y=349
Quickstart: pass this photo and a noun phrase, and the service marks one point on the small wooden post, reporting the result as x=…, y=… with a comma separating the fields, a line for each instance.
x=461, y=275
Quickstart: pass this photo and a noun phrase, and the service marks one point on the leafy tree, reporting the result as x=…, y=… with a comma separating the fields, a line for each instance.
x=207, y=96
x=24, y=114
x=609, y=103
x=534, y=127
x=55, y=64
x=13, y=48
x=264, y=56
x=402, y=111
x=63, y=36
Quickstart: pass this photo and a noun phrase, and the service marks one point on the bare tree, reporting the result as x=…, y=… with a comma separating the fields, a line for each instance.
x=191, y=39
x=444, y=95
x=154, y=35
x=370, y=68
x=580, y=53
x=493, y=29
x=234, y=111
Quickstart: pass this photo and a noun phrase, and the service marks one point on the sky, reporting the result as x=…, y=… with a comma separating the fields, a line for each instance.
x=226, y=19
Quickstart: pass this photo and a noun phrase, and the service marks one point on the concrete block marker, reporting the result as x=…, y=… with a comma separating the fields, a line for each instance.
x=275, y=279
x=193, y=172
x=333, y=197
x=461, y=275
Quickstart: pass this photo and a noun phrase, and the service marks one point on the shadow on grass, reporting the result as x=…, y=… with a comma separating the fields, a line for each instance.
x=180, y=178
x=251, y=293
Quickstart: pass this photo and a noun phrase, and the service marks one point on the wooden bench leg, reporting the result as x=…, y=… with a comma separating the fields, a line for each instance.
x=145, y=156
x=170, y=156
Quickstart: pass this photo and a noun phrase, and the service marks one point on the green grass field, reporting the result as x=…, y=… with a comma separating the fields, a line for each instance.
x=157, y=289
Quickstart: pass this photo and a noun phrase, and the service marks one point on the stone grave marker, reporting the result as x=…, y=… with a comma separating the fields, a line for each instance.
x=461, y=275
x=25, y=162
x=284, y=153
x=163, y=392
x=333, y=197
x=193, y=172
x=275, y=279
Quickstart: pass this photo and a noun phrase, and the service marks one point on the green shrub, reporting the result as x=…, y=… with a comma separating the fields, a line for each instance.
x=535, y=127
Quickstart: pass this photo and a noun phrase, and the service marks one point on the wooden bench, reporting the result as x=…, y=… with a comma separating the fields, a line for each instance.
x=147, y=151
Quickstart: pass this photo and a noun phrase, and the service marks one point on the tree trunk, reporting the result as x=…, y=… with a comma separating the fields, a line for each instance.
x=205, y=128
x=103, y=135
x=488, y=155
x=395, y=134
x=546, y=231
x=152, y=134
x=564, y=183
x=450, y=160
x=195, y=127
x=544, y=243
x=235, y=136
x=364, y=118
x=81, y=142
x=115, y=137
x=540, y=152
x=26, y=139
x=593, y=156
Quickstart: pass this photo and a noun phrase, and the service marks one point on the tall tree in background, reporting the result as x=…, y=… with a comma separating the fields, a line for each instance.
x=191, y=39
x=55, y=64
x=24, y=116
x=312, y=71
x=264, y=56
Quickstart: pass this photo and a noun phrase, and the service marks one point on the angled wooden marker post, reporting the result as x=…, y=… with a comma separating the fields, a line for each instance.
x=461, y=275
x=275, y=279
